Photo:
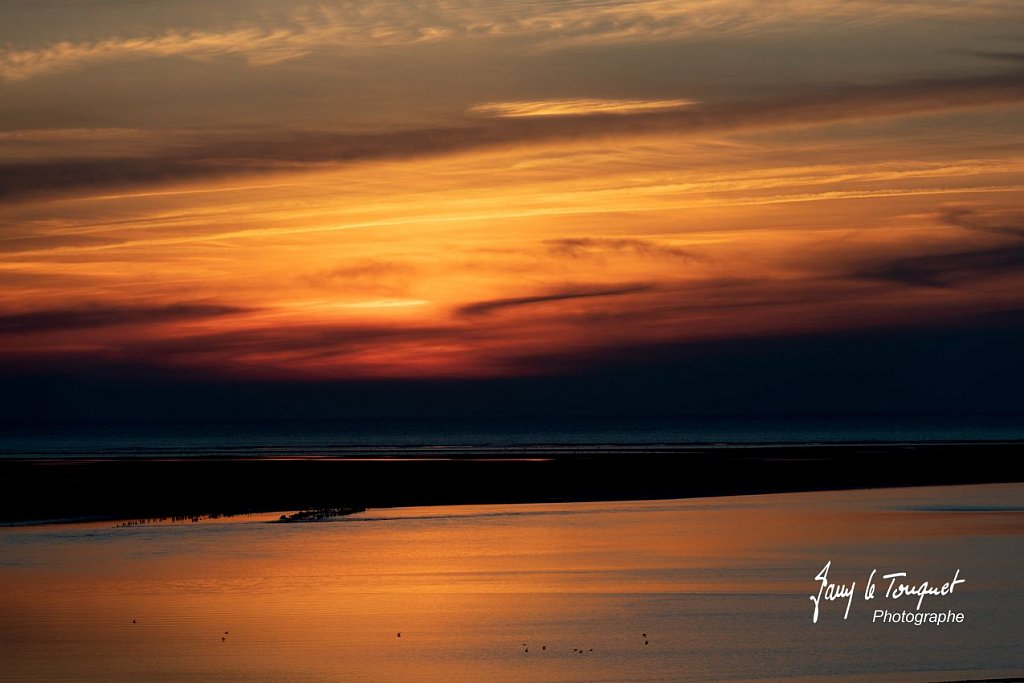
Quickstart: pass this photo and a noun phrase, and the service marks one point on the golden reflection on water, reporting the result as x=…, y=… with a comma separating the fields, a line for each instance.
x=719, y=586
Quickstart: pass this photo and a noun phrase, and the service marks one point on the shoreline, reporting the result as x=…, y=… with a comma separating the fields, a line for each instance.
x=445, y=451
x=321, y=515
x=123, y=488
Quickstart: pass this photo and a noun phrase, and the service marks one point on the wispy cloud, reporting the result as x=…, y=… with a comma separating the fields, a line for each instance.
x=1001, y=222
x=259, y=46
x=961, y=264
x=366, y=275
x=289, y=151
x=574, y=107
x=1011, y=57
x=370, y=24
x=69, y=134
x=583, y=247
x=365, y=25
x=492, y=305
x=104, y=315
x=948, y=269
x=299, y=350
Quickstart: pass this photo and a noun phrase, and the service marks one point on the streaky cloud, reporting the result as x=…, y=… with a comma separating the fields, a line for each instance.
x=1012, y=57
x=366, y=25
x=959, y=265
x=492, y=305
x=583, y=247
x=100, y=315
x=295, y=151
x=574, y=107
x=947, y=269
x=999, y=222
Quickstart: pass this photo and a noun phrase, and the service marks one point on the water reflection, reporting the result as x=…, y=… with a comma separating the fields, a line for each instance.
x=570, y=592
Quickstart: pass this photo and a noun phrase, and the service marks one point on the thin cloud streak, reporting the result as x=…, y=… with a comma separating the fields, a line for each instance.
x=296, y=151
x=574, y=107
x=948, y=269
x=368, y=25
x=261, y=44
x=1012, y=57
x=999, y=222
x=584, y=247
x=492, y=305
x=961, y=266
x=102, y=315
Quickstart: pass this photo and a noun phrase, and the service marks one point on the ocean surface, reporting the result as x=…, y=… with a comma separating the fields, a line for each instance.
x=711, y=589
x=429, y=435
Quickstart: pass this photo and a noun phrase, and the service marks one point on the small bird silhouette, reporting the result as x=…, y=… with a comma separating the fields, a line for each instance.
x=133, y=621
x=543, y=647
x=399, y=634
x=645, y=642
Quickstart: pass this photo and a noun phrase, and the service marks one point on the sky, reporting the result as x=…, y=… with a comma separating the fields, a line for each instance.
x=666, y=205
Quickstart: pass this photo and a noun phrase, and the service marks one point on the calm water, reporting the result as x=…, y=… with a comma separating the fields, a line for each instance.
x=319, y=437
x=720, y=587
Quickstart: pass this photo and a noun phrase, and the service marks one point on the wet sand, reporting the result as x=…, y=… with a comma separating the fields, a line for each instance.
x=182, y=486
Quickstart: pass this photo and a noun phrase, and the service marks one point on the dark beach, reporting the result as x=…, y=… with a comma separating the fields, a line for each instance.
x=44, y=489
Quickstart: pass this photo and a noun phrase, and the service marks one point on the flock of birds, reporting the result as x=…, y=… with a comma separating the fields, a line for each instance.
x=575, y=650
x=526, y=646
x=222, y=638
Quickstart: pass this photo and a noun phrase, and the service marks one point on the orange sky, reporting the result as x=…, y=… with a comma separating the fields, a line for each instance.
x=368, y=190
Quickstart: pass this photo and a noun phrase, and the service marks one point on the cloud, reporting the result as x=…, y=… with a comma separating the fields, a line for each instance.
x=492, y=305
x=999, y=222
x=370, y=24
x=297, y=339
x=371, y=275
x=574, y=107
x=265, y=47
x=290, y=151
x=958, y=265
x=295, y=351
x=966, y=363
x=949, y=268
x=366, y=25
x=66, y=135
x=1012, y=57
x=98, y=315
x=255, y=347
x=582, y=247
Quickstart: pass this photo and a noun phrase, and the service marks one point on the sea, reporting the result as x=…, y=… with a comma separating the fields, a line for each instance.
x=366, y=436
x=714, y=589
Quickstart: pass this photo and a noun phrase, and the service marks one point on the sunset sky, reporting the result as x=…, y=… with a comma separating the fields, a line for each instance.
x=486, y=190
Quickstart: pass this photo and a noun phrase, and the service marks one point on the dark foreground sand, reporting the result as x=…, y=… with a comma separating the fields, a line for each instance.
x=125, y=488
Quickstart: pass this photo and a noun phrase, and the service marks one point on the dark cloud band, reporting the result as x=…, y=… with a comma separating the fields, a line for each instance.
x=290, y=150
x=84, y=317
x=492, y=305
